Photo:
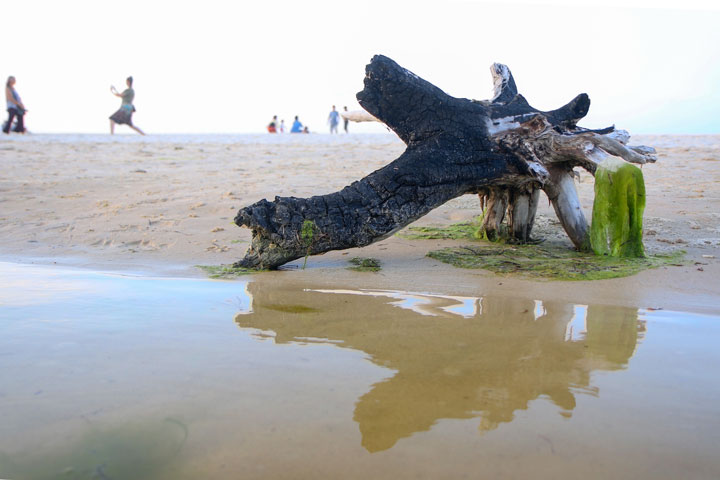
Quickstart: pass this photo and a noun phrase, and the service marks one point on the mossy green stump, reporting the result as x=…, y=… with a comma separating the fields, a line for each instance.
x=617, y=217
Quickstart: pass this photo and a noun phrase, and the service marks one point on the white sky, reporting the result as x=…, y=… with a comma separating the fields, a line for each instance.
x=216, y=67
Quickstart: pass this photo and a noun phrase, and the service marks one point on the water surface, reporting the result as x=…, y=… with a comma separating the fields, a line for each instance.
x=115, y=376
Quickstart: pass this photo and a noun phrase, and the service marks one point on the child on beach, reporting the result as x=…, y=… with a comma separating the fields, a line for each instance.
x=124, y=114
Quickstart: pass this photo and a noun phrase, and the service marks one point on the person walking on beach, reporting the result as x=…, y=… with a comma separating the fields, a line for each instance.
x=15, y=107
x=282, y=126
x=124, y=113
x=334, y=120
x=345, y=120
x=297, y=127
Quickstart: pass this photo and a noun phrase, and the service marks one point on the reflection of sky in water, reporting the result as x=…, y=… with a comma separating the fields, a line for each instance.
x=37, y=289
x=577, y=326
x=422, y=303
x=28, y=291
x=467, y=307
x=20, y=285
x=245, y=300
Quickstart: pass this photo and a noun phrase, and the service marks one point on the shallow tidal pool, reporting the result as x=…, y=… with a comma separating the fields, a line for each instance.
x=107, y=376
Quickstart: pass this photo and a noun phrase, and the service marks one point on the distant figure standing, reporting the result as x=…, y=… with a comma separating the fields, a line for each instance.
x=124, y=115
x=345, y=120
x=282, y=126
x=15, y=108
x=272, y=127
x=334, y=120
x=297, y=127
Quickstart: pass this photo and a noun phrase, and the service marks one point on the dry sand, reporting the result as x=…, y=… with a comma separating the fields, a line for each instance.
x=161, y=205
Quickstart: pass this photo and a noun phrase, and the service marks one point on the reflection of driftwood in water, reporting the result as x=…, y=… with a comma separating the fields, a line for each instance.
x=489, y=365
x=503, y=149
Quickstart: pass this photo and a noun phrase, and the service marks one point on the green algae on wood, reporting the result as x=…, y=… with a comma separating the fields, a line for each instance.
x=549, y=262
x=307, y=233
x=617, y=217
x=361, y=264
x=471, y=230
x=218, y=272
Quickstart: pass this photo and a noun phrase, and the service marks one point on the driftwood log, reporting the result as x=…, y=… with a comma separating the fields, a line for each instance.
x=502, y=149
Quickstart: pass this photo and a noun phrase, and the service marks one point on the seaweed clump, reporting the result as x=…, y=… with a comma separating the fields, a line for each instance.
x=225, y=272
x=361, y=264
x=549, y=262
x=471, y=230
x=546, y=261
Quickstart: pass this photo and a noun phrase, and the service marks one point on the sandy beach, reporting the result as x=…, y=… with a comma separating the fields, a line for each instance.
x=163, y=204
x=121, y=361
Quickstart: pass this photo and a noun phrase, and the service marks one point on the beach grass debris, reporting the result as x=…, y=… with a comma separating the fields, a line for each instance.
x=225, y=272
x=551, y=262
x=362, y=264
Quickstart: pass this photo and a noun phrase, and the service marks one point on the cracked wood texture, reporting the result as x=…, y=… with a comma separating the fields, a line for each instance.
x=455, y=146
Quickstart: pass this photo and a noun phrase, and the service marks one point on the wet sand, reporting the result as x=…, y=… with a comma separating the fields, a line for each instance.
x=163, y=204
x=114, y=376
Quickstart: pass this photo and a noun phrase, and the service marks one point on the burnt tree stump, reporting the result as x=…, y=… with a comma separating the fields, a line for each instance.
x=502, y=149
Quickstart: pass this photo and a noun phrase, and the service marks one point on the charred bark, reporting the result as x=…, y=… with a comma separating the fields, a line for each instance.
x=502, y=147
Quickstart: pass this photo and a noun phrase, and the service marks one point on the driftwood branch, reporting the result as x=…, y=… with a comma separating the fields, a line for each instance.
x=503, y=149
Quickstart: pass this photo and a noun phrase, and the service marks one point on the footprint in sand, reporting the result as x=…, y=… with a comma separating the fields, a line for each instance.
x=145, y=245
x=217, y=248
x=103, y=242
x=129, y=228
